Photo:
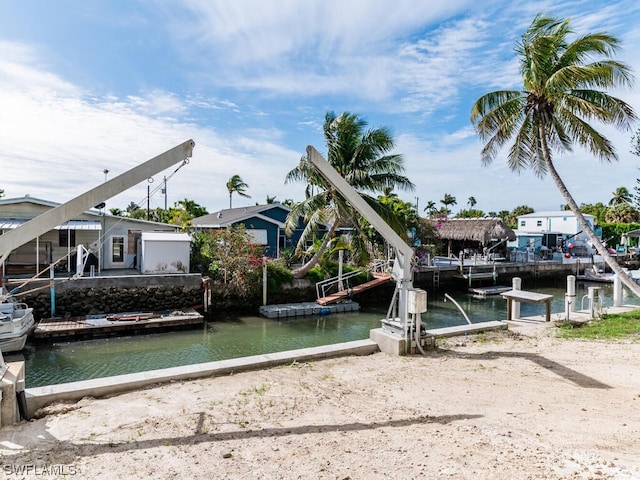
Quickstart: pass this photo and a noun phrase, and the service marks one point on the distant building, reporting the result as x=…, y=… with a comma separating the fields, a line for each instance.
x=554, y=232
x=116, y=238
x=265, y=223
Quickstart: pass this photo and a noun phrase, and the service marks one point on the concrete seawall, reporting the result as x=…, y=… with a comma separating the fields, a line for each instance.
x=39, y=397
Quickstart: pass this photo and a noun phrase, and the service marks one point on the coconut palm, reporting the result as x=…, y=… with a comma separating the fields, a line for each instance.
x=361, y=157
x=472, y=202
x=621, y=195
x=237, y=185
x=563, y=89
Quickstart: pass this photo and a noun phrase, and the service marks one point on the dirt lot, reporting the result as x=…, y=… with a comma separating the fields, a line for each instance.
x=503, y=406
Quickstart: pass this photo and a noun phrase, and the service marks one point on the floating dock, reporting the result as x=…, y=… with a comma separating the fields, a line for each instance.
x=121, y=323
x=484, y=292
x=307, y=309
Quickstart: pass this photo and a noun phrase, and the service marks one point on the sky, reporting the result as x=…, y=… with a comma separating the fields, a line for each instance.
x=106, y=85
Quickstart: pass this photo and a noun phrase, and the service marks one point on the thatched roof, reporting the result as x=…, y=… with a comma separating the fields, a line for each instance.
x=483, y=230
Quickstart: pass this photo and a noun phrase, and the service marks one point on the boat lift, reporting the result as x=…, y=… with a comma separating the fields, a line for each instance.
x=406, y=299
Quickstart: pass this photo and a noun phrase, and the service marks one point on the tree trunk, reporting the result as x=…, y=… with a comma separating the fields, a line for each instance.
x=593, y=238
x=304, y=269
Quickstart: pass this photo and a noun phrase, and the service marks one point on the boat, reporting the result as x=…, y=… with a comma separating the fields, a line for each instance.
x=16, y=323
x=595, y=274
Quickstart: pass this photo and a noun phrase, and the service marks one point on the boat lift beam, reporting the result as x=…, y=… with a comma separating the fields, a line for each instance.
x=402, y=268
x=60, y=214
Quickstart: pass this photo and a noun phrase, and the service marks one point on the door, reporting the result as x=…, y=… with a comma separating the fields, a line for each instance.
x=117, y=251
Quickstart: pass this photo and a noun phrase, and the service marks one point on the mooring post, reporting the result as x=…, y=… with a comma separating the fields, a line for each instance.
x=617, y=291
x=516, y=284
x=570, y=296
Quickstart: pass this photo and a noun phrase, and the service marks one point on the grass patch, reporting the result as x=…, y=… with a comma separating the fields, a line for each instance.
x=610, y=327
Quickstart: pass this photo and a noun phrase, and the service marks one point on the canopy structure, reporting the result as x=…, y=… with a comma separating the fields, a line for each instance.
x=483, y=230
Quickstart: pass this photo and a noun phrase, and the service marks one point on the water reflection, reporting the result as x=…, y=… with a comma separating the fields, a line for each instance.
x=238, y=336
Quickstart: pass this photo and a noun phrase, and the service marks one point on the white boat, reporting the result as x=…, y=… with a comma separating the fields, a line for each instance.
x=596, y=275
x=16, y=323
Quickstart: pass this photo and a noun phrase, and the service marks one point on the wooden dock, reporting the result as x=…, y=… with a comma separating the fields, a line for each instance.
x=123, y=323
x=484, y=292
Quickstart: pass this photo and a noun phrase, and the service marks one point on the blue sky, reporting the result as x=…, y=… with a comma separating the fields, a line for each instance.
x=103, y=84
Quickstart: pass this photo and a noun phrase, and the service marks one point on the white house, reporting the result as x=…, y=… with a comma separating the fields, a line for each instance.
x=554, y=231
x=116, y=236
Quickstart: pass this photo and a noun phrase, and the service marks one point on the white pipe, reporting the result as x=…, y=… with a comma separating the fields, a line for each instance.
x=459, y=307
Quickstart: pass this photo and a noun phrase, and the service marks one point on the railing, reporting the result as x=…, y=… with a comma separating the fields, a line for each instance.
x=327, y=286
x=332, y=285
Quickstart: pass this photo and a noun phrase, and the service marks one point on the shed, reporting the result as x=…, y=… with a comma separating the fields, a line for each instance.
x=164, y=252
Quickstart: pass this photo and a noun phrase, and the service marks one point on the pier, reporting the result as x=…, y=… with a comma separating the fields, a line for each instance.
x=104, y=325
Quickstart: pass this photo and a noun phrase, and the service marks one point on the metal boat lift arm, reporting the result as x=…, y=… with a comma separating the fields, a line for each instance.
x=404, y=252
x=60, y=214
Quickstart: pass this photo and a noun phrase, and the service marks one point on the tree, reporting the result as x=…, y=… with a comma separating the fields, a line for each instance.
x=237, y=185
x=472, y=202
x=563, y=89
x=447, y=200
x=621, y=195
x=431, y=208
x=361, y=157
x=115, y=211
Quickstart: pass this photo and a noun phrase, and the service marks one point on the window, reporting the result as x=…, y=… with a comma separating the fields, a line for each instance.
x=117, y=249
x=539, y=223
x=66, y=238
x=523, y=223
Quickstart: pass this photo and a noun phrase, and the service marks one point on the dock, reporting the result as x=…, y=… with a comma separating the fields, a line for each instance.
x=307, y=309
x=379, y=279
x=123, y=323
x=529, y=297
x=484, y=292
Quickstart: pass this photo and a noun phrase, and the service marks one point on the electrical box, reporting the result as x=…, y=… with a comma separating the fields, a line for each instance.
x=416, y=301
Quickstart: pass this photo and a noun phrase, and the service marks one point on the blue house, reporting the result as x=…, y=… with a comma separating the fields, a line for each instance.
x=265, y=224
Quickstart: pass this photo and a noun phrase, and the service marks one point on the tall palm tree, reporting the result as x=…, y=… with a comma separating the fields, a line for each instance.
x=563, y=89
x=621, y=195
x=472, y=202
x=236, y=184
x=361, y=157
x=448, y=200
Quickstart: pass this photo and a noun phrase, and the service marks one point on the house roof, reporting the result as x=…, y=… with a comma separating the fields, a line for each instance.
x=482, y=230
x=558, y=213
x=70, y=224
x=229, y=216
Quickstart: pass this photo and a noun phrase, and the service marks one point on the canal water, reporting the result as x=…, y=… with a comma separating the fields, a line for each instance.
x=229, y=336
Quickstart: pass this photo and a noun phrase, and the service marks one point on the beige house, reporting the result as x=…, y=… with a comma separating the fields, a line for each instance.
x=115, y=238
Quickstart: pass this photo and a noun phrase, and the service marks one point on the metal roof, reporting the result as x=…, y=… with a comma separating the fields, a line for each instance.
x=13, y=223
x=80, y=225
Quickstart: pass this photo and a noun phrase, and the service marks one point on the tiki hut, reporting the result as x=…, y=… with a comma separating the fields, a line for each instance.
x=475, y=232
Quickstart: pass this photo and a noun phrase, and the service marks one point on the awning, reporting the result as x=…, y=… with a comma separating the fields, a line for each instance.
x=80, y=225
x=13, y=223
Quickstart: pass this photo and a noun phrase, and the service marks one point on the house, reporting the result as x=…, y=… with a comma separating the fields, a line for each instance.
x=116, y=238
x=554, y=231
x=265, y=224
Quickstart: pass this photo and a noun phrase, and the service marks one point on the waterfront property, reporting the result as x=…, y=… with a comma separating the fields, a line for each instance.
x=264, y=223
x=116, y=237
x=546, y=233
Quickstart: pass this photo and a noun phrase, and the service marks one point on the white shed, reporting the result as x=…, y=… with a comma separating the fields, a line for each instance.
x=164, y=252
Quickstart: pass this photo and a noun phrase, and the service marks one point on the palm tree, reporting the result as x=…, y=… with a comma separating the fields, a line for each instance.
x=360, y=156
x=236, y=184
x=431, y=208
x=448, y=200
x=472, y=202
x=621, y=195
x=563, y=89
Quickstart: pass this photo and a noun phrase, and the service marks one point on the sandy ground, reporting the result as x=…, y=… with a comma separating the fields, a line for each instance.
x=502, y=406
